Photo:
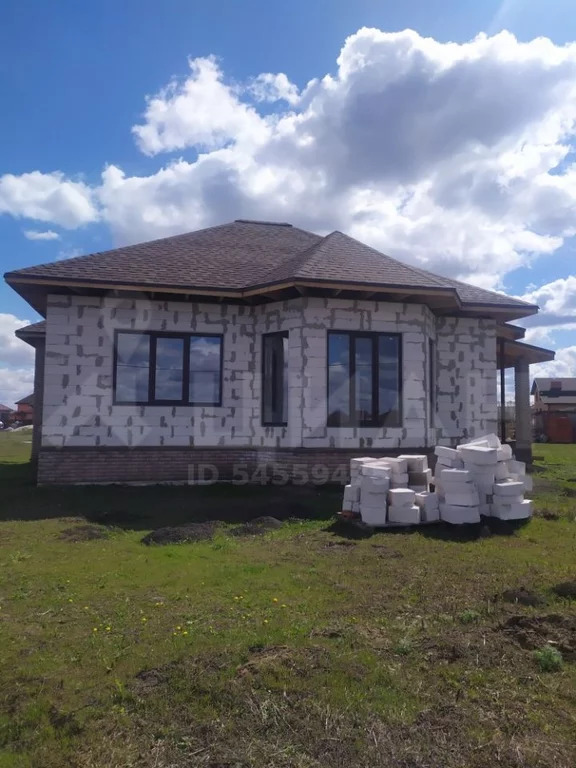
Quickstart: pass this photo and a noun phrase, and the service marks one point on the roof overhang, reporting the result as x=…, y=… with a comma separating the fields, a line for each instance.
x=510, y=352
x=441, y=300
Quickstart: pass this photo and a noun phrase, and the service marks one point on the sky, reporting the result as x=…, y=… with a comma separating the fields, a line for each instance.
x=442, y=132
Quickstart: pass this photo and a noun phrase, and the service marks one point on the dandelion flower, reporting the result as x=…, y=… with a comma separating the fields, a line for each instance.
x=70, y=600
x=274, y=599
x=95, y=629
x=108, y=629
x=185, y=632
x=265, y=621
x=143, y=618
x=284, y=605
x=178, y=628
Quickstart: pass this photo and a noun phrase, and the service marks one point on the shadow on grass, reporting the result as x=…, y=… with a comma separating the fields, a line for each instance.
x=440, y=531
x=149, y=507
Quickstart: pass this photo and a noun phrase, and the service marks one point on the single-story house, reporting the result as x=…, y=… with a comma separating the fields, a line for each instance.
x=554, y=409
x=5, y=412
x=25, y=409
x=256, y=345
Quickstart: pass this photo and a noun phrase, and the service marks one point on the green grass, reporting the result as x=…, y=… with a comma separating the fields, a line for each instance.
x=295, y=649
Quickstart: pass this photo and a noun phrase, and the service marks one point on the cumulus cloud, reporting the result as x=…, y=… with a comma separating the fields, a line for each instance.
x=49, y=197
x=15, y=383
x=564, y=366
x=453, y=156
x=33, y=234
x=200, y=112
x=13, y=351
x=557, y=302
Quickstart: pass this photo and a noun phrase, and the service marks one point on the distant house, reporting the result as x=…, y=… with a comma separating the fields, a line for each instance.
x=255, y=346
x=5, y=412
x=25, y=410
x=554, y=409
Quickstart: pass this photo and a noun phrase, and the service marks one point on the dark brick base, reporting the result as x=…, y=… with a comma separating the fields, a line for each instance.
x=69, y=466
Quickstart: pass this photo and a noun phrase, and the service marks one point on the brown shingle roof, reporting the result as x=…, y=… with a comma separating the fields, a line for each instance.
x=28, y=400
x=244, y=255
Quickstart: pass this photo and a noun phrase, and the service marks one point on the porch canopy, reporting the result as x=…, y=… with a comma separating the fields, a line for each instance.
x=513, y=353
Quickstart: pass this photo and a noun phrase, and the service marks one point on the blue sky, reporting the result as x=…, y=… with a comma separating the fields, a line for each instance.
x=74, y=78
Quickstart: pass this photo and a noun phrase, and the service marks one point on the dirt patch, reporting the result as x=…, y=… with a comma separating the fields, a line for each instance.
x=521, y=596
x=281, y=658
x=351, y=529
x=547, y=514
x=148, y=679
x=339, y=545
x=84, y=533
x=257, y=527
x=566, y=589
x=182, y=534
x=385, y=551
x=532, y=632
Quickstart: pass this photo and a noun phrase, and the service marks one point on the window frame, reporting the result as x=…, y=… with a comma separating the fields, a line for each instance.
x=375, y=422
x=153, y=336
x=283, y=335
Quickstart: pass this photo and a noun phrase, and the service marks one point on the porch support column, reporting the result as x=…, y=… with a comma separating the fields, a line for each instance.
x=40, y=352
x=523, y=412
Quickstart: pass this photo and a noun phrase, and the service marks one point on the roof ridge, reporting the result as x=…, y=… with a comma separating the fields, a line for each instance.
x=299, y=259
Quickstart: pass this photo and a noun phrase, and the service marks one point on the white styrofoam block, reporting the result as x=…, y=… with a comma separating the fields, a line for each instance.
x=417, y=463
x=490, y=441
x=508, y=488
x=356, y=506
x=505, y=453
x=409, y=515
x=462, y=498
x=401, y=497
x=446, y=453
x=485, y=510
x=429, y=506
x=397, y=465
x=516, y=467
x=459, y=515
x=450, y=463
x=356, y=463
x=478, y=454
x=419, y=488
x=399, y=481
x=351, y=492
x=505, y=501
x=347, y=505
x=449, y=476
x=375, y=470
x=519, y=510
x=373, y=515
x=527, y=481
x=501, y=471
x=374, y=486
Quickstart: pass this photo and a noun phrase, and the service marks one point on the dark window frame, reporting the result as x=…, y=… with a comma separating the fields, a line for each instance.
x=153, y=336
x=284, y=335
x=376, y=421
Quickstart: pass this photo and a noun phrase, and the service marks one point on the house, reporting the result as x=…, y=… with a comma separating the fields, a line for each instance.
x=5, y=412
x=257, y=347
x=554, y=409
x=25, y=410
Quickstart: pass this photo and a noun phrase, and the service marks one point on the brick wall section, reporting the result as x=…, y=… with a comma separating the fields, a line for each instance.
x=173, y=465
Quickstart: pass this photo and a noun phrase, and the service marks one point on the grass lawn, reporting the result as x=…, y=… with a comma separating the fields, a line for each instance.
x=297, y=649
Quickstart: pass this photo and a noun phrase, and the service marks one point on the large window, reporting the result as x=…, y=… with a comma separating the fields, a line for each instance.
x=364, y=379
x=275, y=379
x=167, y=369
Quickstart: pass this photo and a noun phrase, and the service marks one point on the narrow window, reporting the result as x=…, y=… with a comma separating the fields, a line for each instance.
x=432, y=381
x=132, y=367
x=205, y=368
x=364, y=379
x=275, y=379
x=169, y=369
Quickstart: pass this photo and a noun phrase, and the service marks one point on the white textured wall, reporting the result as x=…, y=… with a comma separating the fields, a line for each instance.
x=78, y=409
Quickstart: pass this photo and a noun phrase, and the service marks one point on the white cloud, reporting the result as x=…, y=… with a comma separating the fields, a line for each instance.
x=564, y=366
x=557, y=302
x=454, y=156
x=15, y=383
x=13, y=351
x=47, y=197
x=199, y=112
x=32, y=234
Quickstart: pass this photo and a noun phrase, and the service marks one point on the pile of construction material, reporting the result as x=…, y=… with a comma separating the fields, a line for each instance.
x=478, y=478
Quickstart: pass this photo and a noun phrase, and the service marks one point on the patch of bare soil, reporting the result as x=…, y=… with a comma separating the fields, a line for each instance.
x=385, y=551
x=182, y=533
x=298, y=662
x=148, y=679
x=532, y=632
x=339, y=545
x=566, y=589
x=522, y=596
x=257, y=527
x=85, y=532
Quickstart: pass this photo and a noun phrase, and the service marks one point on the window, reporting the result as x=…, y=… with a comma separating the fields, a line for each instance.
x=167, y=369
x=364, y=379
x=275, y=379
x=432, y=380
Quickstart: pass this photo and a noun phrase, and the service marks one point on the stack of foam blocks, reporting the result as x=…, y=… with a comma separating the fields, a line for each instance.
x=478, y=478
x=391, y=491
